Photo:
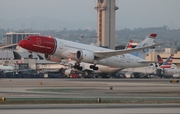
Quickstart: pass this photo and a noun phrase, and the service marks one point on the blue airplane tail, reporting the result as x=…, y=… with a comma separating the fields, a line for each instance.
x=146, y=42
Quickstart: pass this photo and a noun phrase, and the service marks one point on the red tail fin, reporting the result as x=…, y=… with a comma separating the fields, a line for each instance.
x=152, y=35
x=168, y=62
x=129, y=46
x=160, y=60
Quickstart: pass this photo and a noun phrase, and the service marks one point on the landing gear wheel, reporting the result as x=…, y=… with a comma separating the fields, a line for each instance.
x=75, y=66
x=93, y=67
x=78, y=67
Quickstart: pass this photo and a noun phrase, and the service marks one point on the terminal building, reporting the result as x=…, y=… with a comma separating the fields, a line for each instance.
x=22, y=60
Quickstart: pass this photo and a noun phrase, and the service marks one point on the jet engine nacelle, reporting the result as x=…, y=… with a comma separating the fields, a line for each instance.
x=84, y=55
x=52, y=58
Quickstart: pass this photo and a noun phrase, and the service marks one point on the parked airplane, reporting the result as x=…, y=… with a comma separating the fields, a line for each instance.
x=129, y=45
x=90, y=54
x=168, y=62
x=152, y=68
x=168, y=69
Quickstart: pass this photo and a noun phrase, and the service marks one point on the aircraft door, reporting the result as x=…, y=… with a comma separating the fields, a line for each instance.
x=61, y=45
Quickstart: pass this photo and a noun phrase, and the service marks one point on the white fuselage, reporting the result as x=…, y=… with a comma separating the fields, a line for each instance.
x=145, y=70
x=170, y=71
x=66, y=49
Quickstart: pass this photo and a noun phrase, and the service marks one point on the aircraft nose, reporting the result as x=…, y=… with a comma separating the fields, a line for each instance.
x=21, y=43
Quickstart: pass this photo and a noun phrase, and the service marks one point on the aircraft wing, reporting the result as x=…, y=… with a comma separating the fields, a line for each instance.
x=105, y=54
x=150, y=61
x=7, y=46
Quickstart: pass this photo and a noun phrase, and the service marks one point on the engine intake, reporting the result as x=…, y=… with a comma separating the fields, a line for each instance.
x=52, y=58
x=85, y=56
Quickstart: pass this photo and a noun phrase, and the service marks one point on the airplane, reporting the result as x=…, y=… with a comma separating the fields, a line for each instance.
x=167, y=63
x=129, y=45
x=152, y=68
x=168, y=69
x=103, y=70
x=67, y=66
x=90, y=54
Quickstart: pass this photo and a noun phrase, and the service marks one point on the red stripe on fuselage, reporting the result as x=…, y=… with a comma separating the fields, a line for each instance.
x=165, y=66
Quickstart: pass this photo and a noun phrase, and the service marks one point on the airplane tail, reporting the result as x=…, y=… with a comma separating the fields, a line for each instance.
x=146, y=42
x=160, y=60
x=159, y=63
x=129, y=45
x=168, y=62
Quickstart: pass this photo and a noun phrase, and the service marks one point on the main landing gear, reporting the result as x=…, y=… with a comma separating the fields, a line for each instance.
x=30, y=56
x=77, y=66
x=93, y=67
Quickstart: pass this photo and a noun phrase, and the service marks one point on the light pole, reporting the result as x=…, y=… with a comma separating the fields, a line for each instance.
x=7, y=58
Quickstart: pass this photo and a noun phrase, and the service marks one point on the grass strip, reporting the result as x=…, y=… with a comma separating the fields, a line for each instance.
x=88, y=100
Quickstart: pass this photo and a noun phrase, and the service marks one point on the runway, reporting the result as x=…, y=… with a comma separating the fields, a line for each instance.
x=125, y=96
x=87, y=106
x=92, y=109
x=89, y=88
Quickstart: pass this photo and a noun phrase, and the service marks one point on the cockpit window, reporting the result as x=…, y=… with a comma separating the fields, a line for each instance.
x=27, y=38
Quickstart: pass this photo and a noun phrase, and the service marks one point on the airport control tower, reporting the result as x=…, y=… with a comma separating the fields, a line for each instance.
x=106, y=23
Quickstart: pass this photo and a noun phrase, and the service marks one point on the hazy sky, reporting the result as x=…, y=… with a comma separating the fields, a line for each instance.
x=81, y=14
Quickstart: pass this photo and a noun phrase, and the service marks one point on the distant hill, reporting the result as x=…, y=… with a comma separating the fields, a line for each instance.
x=40, y=23
x=171, y=37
